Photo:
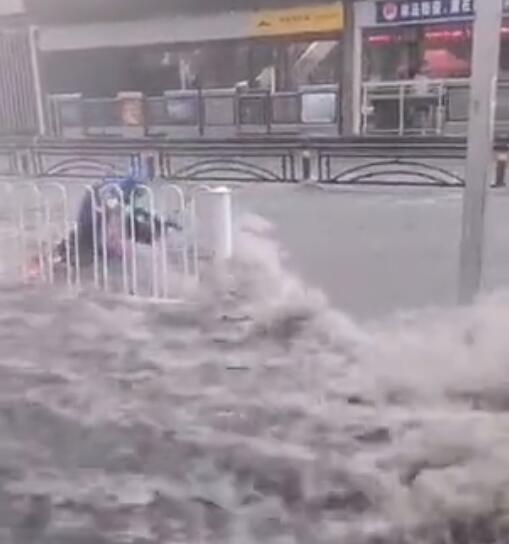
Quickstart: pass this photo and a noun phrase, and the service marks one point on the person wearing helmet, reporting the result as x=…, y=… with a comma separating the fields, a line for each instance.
x=100, y=218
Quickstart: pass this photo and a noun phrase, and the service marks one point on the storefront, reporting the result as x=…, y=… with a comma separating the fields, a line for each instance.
x=429, y=37
x=419, y=40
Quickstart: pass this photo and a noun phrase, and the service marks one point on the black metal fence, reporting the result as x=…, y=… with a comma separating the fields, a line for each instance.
x=341, y=161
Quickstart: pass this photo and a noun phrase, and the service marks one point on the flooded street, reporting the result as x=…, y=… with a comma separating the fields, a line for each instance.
x=252, y=413
x=233, y=238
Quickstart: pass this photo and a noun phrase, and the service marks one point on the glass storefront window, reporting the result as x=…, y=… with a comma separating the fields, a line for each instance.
x=419, y=55
x=209, y=66
x=312, y=62
x=436, y=51
x=283, y=65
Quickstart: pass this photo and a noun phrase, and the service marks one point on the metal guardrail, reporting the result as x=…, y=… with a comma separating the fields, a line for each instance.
x=418, y=107
x=403, y=107
x=197, y=112
x=143, y=243
x=386, y=159
x=274, y=158
x=423, y=107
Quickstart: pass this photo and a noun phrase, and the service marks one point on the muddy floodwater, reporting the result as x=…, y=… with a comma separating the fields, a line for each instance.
x=252, y=413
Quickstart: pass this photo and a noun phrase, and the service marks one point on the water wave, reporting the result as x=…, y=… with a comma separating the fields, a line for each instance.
x=251, y=413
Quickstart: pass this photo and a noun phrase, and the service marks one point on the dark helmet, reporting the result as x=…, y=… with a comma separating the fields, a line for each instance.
x=107, y=189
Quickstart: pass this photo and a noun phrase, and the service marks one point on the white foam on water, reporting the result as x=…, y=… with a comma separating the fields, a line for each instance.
x=254, y=413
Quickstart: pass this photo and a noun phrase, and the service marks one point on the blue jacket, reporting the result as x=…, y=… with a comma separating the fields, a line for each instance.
x=143, y=231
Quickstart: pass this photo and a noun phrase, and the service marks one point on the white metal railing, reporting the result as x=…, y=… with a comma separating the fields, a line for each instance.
x=403, y=107
x=112, y=243
x=422, y=106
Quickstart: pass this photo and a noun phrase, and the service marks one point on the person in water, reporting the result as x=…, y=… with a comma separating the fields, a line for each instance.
x=101, y=209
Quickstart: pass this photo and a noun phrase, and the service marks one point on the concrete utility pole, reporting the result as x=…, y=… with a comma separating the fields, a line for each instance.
x=347, y=73
x=37, y=82
x=483, y=89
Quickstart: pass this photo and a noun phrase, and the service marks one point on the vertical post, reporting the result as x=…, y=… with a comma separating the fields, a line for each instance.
x=501, y=168
x=306, y=166
x=251, y=76
x=149, y=163
x=183, y=74
x=36, y=74
x=267, y=100
x=483, y=89
x=222, y=223
x=401, y=109
x=347, y=77
x=201, y=111
x=363, y=17
x=364, y=110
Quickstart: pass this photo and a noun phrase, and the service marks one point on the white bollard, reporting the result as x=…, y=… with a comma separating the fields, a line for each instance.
x=222, y=223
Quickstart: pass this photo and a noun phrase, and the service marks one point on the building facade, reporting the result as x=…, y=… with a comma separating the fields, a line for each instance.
x=270, y=47
x=191, y=67
x=420, y=42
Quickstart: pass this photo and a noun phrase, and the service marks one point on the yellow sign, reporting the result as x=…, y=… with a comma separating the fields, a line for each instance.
x=318, y=19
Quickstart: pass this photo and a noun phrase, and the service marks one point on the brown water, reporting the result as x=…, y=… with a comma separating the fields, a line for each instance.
x=252, y=413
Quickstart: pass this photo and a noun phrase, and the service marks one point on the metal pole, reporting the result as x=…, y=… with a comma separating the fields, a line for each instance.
x=483, y=89
x=222, y=223
x=34, y=61
x=346, y=78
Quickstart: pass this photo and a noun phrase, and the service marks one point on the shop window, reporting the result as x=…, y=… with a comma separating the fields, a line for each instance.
x=243, y=64
x=436, y=51
x=94, y=73
x=209, y=66
x=311, y=62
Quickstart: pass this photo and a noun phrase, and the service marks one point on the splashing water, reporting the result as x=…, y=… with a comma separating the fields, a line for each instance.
x=252, y=413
